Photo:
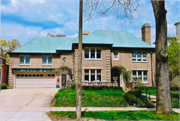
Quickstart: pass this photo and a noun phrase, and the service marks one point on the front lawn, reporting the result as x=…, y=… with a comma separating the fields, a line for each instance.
x=119, y=115
x=91, y=98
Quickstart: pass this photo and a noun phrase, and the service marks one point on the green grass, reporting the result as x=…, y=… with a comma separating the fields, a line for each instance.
x=91, y=98
x=119, y=115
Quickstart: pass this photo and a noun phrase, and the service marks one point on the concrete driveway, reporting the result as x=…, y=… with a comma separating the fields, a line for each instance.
x=26, y=104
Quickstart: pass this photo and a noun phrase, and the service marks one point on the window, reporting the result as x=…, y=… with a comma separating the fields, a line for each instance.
x=139, y=56
x=115, y=57
x=92, y=53
x=47, y=60
x=92, y=75
x=140, y=75
x=86, y=75
x=25, y=60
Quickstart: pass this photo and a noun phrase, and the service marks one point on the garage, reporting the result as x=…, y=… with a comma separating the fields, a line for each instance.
x=35, y=80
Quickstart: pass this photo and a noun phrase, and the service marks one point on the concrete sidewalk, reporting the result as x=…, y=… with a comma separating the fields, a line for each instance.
x=39, y=113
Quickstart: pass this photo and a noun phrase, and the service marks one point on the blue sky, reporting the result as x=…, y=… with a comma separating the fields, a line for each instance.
x=27, y=19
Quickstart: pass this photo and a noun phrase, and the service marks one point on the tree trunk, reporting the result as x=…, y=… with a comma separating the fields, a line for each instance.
x=78, y=83
x=163, y=99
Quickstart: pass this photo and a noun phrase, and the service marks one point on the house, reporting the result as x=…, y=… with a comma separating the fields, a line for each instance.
x=3, y=68
x=51, y=61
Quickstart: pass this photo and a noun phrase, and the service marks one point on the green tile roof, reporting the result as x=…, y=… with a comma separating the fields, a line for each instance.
x=51, y=44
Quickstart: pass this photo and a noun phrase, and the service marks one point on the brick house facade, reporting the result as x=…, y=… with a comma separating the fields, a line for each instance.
x=51, y=61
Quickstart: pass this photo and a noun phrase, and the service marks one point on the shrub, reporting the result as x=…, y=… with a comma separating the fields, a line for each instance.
x=73, y=85
x=3, y=86
x=136, y=93
x=9, y=87
x=130, y=98
x=143, y=101
x=101, y=88
x=174, y=95
x=175, y=103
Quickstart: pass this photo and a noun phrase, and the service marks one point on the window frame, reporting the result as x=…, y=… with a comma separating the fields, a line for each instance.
x=47, y=60
x=95, y=75
x=136, y=58
x=95, y=58
x=24, y=60
x=142, y=75
x=117, y=56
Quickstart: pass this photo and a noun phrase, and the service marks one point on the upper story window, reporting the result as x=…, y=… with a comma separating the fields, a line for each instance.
x=92, y=53
x=25, y=60
x=47, y=60
x=139, y=56
x=115, y=56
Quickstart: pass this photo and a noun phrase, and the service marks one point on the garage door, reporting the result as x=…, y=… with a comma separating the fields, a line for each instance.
x=35, y=80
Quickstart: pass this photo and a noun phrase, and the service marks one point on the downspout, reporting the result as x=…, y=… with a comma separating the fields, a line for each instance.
x=151, y=69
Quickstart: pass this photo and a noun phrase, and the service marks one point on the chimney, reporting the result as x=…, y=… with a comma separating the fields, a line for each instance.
x=86, y=33
x=177, y=29
x=146, y=33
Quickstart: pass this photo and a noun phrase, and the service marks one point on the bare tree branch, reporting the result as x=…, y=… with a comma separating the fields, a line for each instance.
x=125, y=10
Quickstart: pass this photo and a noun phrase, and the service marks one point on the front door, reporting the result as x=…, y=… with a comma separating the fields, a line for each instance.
x=63, y=80
x=115, y=73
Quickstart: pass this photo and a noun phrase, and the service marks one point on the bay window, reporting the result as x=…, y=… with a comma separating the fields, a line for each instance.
x=92, y=53
x=140, y=76
x=92, y=75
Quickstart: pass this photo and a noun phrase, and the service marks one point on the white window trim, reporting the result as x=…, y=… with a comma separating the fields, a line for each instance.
x=47, y=60
x=117, y=56
x=90, y=75
x=24, y=60
x=137, y=57
x=142, y=75
x=95, y=54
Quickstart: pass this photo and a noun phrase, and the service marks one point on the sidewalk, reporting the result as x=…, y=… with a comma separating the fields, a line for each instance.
x=106, y=108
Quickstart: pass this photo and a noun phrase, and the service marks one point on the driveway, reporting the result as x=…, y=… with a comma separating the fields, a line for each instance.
x=26, y=104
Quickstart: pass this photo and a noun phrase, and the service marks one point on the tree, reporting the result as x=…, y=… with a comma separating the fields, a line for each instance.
x=173, y=60
x=163, y=99
x=78, y=83
x=9, y=47
x=99, y=8
x=57, y=35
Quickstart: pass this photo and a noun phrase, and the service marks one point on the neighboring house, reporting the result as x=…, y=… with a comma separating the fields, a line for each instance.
x=3, y=69
x=51, y=61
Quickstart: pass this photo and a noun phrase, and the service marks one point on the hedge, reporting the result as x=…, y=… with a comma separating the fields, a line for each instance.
x=101, y=88
x=137, y=93
x=3, y=86
x=174, y=95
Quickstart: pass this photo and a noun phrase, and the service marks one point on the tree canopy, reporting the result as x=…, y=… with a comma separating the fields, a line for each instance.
x=173, y=55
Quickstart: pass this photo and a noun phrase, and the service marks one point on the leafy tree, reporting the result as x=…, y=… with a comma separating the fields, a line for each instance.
x=56, y=35
x=173, y=56
x=9, y=47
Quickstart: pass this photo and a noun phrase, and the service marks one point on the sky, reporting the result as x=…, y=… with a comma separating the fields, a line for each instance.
x=25, y=20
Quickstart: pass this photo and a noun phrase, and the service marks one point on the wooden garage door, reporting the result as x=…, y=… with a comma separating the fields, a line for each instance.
x=35, y=80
